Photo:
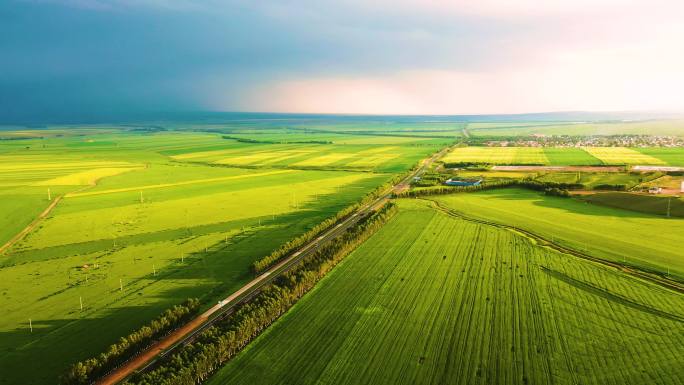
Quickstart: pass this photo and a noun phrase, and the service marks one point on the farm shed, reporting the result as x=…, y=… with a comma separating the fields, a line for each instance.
x=455, y=182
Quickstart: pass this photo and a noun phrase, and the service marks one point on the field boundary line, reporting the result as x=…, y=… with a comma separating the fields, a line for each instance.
x=40, y=217
x=163, y=185
x=31, y=225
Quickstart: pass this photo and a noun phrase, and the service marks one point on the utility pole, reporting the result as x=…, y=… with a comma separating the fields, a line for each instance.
x=182, y=257
x=30, y=325
x=80, y=300
x=141, y=197
x=49, y=195
x=668, y=206
x=154, y=270
x=120, y=285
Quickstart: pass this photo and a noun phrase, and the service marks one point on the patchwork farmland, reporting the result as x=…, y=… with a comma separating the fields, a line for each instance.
x=146, y=220
x=103, y=228
x=587, y=156
x=433, y=299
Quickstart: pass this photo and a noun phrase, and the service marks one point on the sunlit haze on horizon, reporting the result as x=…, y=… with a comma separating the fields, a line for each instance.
x=351, y=56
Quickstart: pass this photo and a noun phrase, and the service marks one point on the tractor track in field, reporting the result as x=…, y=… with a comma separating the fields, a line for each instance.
x=544, y=242
x=26, y=230
x=595, y=290
x=31, y=225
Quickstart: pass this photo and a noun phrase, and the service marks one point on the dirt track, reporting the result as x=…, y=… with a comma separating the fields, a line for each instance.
x=31, y=225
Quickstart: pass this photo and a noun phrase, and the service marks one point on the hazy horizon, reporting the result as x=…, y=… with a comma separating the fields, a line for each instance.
x=217, y=117
x=70, y=60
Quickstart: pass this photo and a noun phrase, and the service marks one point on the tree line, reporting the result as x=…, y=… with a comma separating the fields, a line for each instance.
x=255, y=141
x=549, y=188
x=91, y=369
x=195, y=362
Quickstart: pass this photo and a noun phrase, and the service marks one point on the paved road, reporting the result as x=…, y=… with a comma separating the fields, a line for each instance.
x=185, y=334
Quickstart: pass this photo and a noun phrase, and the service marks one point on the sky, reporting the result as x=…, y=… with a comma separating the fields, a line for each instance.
x=72, y=58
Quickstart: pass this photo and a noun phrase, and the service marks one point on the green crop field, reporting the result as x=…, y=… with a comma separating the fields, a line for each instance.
x=650, y=204
x=567, y=156
x=146, y=220
x=497, y=155
x=356, y=157
x=648, y=241
x=140, y=219
x=591, y=180
x=672, y=156
x=623, y=155
x=432, y=299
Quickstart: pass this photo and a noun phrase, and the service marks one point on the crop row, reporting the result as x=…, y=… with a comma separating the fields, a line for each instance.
x=433, y=299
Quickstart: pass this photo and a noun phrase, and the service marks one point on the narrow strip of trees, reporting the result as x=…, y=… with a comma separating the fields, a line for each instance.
x=89, y=370
x=255, y=141
x=612, y=187
x=549, y=188
x=195, y=362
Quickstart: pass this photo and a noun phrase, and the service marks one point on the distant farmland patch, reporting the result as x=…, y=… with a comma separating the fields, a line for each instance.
x=671, y=156
x=622, y=155
x=497, y=155
x=354, y=157
x=566, y=156
x=570, y=157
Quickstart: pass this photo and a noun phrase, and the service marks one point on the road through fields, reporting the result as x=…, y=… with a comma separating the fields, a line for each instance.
x=225, y=307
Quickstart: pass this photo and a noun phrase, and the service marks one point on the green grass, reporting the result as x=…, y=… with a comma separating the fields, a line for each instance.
x=431, y=299
x=569, y=157
x=643, y=240
x=671, y=156
x=650, y=204
x=20, y=205
x=196, y=232
x=591, y=180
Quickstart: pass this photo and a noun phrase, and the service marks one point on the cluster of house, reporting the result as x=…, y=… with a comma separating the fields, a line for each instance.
x=591, y=141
